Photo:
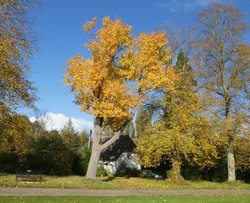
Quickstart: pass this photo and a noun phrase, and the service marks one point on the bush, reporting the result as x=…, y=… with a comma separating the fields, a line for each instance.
x=101, y=172
x=9, y=162
x=49, y=154
x=124, y=171
x=77, y=167
x=81, y=161
x=243, y=175
x=85, y=159
x=190, y=172
x=217, y=173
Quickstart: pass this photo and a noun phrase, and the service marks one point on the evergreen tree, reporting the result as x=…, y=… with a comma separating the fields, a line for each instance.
x=130, y=129
x=180, y=105
x=71, y=138
x=143, y=119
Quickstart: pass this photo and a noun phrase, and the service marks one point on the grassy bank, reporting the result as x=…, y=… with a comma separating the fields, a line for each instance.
x=117, y=183
x=131, y=199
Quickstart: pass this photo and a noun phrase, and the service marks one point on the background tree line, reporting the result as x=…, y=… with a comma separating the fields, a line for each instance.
x=25, y=145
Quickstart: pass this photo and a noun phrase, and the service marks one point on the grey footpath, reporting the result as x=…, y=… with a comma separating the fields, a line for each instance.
x=79, y=192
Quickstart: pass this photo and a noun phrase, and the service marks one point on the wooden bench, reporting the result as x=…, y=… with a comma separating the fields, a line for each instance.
x=29, y=176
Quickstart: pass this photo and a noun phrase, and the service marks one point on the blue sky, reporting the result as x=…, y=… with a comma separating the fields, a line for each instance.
x=58, y=28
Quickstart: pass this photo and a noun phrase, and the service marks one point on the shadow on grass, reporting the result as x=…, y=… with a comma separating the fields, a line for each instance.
x=109, y=178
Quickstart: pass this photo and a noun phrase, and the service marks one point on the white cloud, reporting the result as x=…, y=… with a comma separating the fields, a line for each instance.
x=54, y=121
x=183, y=5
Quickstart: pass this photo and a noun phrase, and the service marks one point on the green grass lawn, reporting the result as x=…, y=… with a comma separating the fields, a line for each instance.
x=144, y=199
x=117, y=183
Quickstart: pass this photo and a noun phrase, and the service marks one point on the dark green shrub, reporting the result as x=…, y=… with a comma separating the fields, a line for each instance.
x=85, y=159
x=81, y=161
x=49, y=154
x=190, y=172
x=124, y=171
x=9, y=162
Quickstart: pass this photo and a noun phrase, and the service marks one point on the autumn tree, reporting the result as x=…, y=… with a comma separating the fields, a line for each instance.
x=15, y=137
x=224, y=64
x=242, y=152
x=120, y=73
x=16, y=46
x=181, y=132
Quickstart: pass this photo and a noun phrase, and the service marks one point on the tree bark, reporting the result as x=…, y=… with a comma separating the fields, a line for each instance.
x=95, y=152
x=230, y=150
x=97, y=149
x=231, y=163
x=93, y=164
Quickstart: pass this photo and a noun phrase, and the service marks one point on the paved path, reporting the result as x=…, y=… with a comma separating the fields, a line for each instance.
x=79, y=192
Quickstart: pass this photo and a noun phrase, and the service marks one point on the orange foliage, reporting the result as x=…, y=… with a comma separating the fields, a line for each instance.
x=121, y=71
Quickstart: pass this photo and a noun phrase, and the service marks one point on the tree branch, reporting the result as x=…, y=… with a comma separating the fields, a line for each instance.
x=111, y=141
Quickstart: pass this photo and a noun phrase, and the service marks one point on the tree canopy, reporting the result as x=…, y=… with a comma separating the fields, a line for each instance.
x=223, y=59
x=118, y=76
x=120, y=72
x=16, y=45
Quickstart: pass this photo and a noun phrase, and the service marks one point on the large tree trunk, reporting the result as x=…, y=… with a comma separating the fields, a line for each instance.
x=97, y=149
x=175, y=172
x=95, y=152
x=231, y=163
x=93, y=164
x=230, y=150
